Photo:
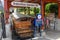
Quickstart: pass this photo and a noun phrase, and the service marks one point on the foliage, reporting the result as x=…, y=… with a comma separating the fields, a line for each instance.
x=47, y=8
x=51, y=8
x=37, y=10
x=32, y=10
x=20, y=9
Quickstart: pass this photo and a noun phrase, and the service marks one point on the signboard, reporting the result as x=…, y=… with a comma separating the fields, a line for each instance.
x=24, y=4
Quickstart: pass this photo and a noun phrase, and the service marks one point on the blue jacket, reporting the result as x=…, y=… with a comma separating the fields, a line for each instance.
x=37, y=23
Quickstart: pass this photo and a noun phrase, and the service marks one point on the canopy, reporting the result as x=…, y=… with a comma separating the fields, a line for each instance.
x=18, y=15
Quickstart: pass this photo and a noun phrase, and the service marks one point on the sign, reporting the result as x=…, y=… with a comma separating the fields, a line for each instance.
x=24, y=4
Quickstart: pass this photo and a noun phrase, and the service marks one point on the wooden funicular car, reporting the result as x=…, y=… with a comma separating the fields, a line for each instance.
x=22, y=26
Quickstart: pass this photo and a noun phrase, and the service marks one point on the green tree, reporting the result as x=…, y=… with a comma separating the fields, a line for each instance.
x=47, y=8
x=51, y=8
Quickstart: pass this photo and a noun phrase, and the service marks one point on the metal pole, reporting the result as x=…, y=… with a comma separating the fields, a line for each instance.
x=54, y=23
x=41, y=12
x=3, y=25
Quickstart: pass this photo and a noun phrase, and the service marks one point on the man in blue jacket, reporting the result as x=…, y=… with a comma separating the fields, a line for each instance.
x=38, y=24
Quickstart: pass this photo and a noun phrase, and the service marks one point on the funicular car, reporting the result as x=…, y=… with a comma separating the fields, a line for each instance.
x=22, y=27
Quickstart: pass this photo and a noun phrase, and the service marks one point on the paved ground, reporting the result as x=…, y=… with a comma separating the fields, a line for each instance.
x=50, y=35
x=53, y=34
x=37, y=38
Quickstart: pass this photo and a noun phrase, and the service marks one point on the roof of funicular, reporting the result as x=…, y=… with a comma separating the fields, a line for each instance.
x=18, y=15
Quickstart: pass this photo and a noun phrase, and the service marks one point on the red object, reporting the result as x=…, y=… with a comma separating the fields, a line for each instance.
x=47, y=21
x=42, y=27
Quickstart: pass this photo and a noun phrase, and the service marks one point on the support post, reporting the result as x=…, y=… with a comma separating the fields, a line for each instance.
x=59, y=10
x=3, y=25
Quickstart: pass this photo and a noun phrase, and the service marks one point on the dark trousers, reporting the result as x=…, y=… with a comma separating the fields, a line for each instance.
x=37, y=29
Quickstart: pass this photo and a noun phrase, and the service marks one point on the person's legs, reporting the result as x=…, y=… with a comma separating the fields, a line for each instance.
x=35, y=31
x=40, y=29
x=37, y=26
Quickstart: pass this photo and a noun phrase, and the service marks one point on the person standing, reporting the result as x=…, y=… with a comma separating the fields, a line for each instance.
x=38, y=23
x=9, y=26
x=47, y=23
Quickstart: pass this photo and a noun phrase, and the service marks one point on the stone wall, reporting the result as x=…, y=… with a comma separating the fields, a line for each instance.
x=57, y=25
